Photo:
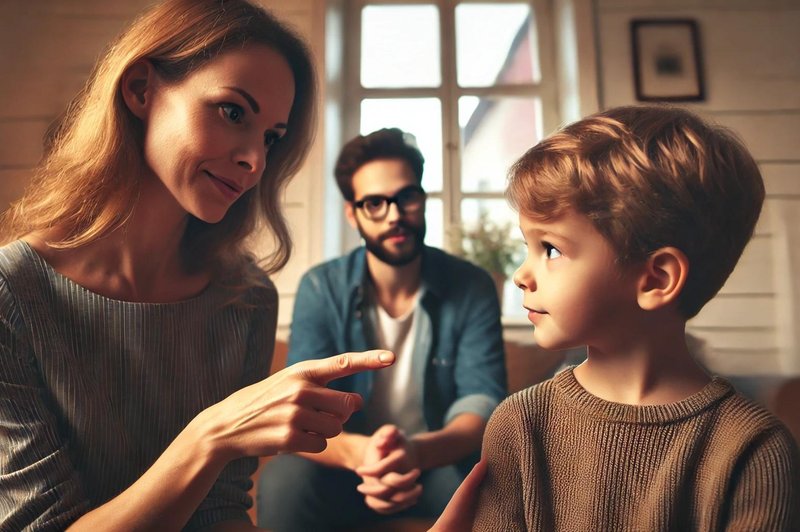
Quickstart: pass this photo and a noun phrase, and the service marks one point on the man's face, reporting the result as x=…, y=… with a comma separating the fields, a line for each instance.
x=396, y=238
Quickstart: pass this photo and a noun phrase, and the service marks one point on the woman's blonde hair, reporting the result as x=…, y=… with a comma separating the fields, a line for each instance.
x=88, y=180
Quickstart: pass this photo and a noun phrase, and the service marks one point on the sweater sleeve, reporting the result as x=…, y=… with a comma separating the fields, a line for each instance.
x=765, y=493
x=500, y=503
x=228, y=499
x=39, y=486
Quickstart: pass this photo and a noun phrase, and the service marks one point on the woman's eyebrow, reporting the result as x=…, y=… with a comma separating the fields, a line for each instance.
x=250, y=100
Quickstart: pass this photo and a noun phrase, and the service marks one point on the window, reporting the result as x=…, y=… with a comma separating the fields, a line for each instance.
x=472, y=81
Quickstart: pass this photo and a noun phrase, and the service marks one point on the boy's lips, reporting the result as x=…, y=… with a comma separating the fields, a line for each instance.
x=535, y=315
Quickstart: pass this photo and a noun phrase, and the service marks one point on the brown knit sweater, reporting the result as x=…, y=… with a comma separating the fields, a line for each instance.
x=562, y=459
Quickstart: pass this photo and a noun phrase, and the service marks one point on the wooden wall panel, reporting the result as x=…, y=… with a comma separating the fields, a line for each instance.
x=21, y=141
x=770, y=137
x=782, y=179
x=753, y=273
x=752, y=72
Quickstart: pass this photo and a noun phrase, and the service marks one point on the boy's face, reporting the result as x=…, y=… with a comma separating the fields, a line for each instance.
x=574, y=291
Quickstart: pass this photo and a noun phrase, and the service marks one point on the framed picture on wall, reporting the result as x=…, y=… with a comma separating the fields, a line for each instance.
x=667, y=63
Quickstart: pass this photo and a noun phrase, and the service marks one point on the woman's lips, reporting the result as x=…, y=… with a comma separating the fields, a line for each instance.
x=229, y=188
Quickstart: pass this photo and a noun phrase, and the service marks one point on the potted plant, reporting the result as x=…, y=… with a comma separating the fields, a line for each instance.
x=489, y=245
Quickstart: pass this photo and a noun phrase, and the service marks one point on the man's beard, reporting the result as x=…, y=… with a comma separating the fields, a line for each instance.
x=375, y=245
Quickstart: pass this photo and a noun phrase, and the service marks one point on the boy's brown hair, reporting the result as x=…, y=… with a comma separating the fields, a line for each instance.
x=649, y=177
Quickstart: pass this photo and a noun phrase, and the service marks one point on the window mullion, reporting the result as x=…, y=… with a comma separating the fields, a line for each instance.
x=545, y=43
x=450, y=127
x=353, y=72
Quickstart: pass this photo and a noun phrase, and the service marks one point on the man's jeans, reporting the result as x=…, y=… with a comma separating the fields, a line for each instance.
x=296, y=494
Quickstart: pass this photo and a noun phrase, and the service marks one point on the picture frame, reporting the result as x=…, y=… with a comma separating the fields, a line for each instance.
x=667, y=61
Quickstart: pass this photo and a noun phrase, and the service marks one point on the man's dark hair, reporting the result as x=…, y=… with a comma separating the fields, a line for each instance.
x=387, y=143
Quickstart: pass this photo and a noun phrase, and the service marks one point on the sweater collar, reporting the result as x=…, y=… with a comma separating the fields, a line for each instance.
x=710, y=394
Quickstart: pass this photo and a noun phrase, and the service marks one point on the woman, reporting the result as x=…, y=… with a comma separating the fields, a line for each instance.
x=130, y=311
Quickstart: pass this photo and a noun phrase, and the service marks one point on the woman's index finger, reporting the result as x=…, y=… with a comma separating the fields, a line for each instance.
x=327, y=369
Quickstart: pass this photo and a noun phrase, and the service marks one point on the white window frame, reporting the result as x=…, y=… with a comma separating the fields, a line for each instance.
x=449, y=92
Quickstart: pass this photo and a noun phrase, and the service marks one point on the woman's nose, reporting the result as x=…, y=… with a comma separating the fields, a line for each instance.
x=252, y=157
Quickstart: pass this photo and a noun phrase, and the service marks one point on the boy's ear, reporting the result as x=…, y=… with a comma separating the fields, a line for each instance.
x=137, y=87
x=662, y=278
x=350, y=214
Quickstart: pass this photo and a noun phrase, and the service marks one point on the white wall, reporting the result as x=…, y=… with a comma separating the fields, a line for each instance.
x=304, y=202
x=751, y=52
x=47, y=49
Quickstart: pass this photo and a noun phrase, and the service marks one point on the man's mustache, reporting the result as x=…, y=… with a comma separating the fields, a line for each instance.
x=399, y=229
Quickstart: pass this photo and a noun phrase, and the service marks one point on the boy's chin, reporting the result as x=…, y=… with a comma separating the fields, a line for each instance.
x=549, y=343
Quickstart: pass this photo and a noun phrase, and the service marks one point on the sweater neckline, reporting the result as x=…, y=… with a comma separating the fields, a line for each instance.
x=207, y=294
x=710, y=394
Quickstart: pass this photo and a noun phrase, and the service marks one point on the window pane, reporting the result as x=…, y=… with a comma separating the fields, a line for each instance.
x=422, y=117
x=503, y=220
x=495, y=132
x=400, y=46
x=434, y=221
x=494, y=45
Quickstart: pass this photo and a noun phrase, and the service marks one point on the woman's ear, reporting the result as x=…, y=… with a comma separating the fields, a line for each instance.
x=137, y=87
x=662, y=278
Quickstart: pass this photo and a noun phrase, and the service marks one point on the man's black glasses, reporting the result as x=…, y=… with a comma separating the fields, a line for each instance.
x=408, y=200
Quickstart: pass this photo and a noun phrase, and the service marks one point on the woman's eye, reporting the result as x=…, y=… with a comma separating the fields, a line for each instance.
x=271, y=138
x=550, y=251
x=232, y=112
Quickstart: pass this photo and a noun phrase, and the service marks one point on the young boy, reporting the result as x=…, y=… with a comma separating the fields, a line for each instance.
x=633, y=220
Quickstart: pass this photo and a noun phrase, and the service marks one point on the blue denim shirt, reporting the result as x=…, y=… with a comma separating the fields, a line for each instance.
x=458, y=356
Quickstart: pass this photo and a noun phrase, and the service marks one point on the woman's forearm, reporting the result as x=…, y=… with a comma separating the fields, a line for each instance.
x=282, y=413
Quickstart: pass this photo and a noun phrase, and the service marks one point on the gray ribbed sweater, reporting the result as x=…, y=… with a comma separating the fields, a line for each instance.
x=563, y=459
x=92, y=389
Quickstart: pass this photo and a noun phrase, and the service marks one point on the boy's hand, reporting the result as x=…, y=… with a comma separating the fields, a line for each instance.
x=460, y=512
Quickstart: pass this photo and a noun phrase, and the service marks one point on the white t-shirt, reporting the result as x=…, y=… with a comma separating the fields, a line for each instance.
x=396, y=396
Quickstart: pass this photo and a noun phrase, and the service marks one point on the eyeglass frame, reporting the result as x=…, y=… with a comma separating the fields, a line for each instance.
x=388, y=200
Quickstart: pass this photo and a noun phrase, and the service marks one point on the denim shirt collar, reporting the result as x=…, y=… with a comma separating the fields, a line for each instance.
x=432, y=276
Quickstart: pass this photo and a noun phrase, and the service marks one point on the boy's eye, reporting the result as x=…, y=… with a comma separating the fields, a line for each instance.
x=550, y=251
x=232, y=112
x=271, y=138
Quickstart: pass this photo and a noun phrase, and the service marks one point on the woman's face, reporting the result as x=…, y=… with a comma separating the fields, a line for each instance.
x=207, y=137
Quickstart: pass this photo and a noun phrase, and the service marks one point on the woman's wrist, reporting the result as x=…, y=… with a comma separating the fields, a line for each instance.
x=203, y=436
x=356, y=445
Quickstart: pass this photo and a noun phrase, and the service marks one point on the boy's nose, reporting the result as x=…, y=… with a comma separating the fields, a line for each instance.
x=523, y=279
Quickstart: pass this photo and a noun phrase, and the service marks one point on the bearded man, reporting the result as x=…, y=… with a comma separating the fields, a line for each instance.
x=420, y=430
